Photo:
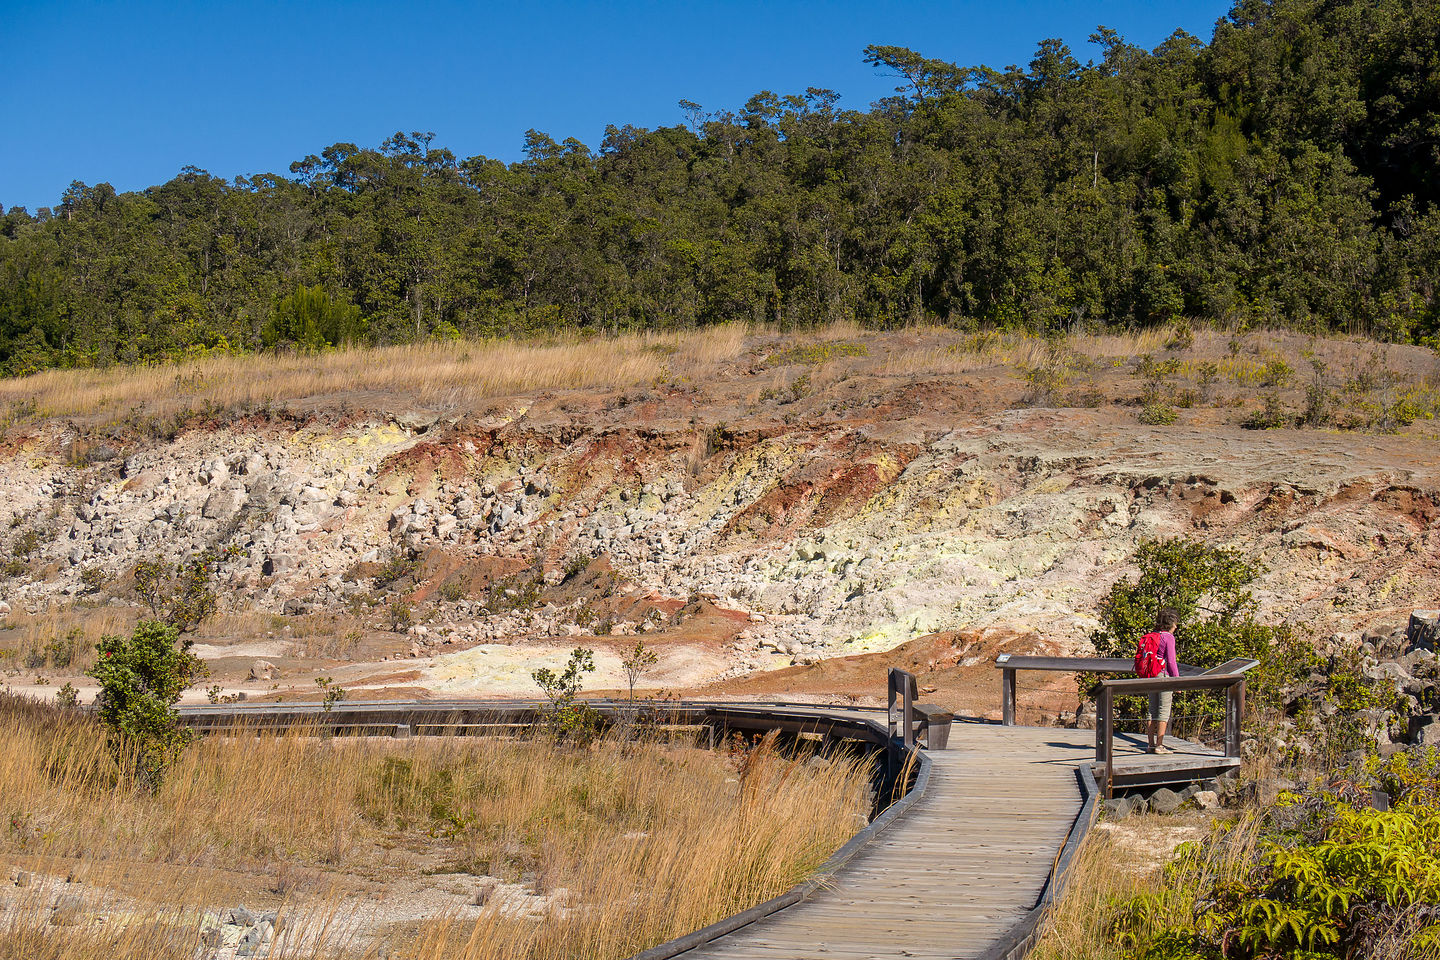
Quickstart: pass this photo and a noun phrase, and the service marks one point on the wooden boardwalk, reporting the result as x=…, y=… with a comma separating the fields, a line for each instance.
x=968, y=860
x=955, y=871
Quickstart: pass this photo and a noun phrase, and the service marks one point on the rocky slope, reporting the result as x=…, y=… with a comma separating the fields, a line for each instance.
x=744, y=529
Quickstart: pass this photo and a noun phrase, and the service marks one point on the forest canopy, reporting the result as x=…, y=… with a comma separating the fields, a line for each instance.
x=1286, y=173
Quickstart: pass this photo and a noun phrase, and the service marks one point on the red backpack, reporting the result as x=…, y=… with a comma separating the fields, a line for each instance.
x=1148, y=662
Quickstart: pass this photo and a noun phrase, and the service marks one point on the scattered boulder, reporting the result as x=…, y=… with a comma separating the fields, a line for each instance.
x=1118, y=808
x=263, y=670
x=255, y=941
x=1424, y=729
x=238, y=932
x=1207, y=800
x=1165, y=801
x=1392, y=672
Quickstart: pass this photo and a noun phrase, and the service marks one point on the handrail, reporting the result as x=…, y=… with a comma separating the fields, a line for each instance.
x=1009, y=663
x=1228, y=676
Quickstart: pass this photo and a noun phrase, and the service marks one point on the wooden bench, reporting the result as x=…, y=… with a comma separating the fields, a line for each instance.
x=933, y=723
x=911, y=721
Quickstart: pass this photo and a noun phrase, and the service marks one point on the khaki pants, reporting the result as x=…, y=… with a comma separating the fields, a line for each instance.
x=1160, y=705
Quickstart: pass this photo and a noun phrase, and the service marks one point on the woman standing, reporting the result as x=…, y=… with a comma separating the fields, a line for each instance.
x=1155, y=657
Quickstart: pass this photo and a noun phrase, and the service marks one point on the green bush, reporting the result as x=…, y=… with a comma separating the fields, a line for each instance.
x=1276, y=373
x=567, y=716
x=519, y=591
x=93, y=579
x=1157, y=415
x=180, y=596
x=1270, y=415
x=26, y=544
x=401, y=616
x=1207, y=586
x=141, y=677
x=394, y=570
x=1326, y=877
x=332, y=691
x=61, y=650
x=67, y=696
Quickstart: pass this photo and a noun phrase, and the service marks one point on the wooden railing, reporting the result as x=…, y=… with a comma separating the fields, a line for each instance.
x=1228, y=676
x=1008, y=664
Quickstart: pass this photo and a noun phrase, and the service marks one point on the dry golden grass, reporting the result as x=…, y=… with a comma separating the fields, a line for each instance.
x=450, y=376
x=470, y=376
x=651, y=840
x=1121, y=861
x=327, y=635
x=29, y=641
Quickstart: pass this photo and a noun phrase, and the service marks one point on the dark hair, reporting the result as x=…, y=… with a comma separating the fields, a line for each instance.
x=1167, y=619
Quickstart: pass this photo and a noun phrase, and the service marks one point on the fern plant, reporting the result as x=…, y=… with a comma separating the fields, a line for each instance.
x=1328, y=878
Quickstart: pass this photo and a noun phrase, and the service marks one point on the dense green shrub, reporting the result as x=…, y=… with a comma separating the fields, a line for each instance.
x=1207, y=586
x=1327, y=876
x=141, y=677
x=312, y=319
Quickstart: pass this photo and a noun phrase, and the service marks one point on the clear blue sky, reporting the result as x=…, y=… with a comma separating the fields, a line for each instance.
x=129, y=92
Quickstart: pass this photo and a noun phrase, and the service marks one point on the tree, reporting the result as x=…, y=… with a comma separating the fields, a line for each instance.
x=310, y=318
x=1284, y=172
x=141, y=677
x=636, y=663
x=567, y=716
x=179, y=596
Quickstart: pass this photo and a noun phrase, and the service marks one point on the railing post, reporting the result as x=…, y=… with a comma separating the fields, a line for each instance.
x=1107, y=741
x=1234, y=709
x=902, y=721
x=892, y=680
x=908, y=702
x=1007, y=697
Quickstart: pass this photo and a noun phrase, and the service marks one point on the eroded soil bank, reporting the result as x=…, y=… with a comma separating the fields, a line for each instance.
x=761, y=515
